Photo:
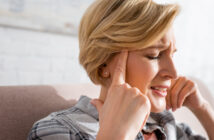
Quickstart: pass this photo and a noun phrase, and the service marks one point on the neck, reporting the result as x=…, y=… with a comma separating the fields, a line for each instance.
x=103, y=93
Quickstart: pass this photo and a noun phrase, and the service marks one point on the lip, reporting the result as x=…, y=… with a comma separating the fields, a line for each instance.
x=161, y=86
x=160, y=93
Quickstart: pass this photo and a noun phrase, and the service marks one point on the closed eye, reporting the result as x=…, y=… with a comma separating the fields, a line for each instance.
x=153, y=57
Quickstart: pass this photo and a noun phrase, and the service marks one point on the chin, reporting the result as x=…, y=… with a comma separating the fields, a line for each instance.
x=158, y=109
x=158, y=104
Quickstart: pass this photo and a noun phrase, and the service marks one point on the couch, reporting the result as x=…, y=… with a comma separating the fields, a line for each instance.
x=21, y=106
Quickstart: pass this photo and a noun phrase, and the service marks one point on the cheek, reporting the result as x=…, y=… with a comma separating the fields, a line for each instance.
x=140, y=73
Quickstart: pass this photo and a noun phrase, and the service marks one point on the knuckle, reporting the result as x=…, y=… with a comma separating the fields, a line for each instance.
x=131, y=92
x=126, y=86
x=194, y=84
x=135, y=90
x=191, y=83
x=119, y=69
x=143, y=101
x=142, y=98
x=183, y=78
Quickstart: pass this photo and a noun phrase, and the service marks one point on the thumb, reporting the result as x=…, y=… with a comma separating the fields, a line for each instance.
x=144, y=122
x=97, y=103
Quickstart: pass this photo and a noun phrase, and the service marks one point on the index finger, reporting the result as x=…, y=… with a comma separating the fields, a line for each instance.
x=119, y=75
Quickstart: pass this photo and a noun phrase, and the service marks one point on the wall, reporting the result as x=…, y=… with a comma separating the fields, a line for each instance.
x=195, y=34
x=28, y=57
x=55, y=16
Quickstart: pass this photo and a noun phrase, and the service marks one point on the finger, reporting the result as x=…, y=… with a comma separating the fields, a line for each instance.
x=119, y=75
x=186, y=91
x=144, y=122
x=147, y=108
x=173, y=82
x=168, y=102
x=180, y=83
x=97, y=103
x=168, y=97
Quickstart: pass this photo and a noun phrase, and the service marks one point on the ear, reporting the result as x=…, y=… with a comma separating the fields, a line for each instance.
x=104, y=71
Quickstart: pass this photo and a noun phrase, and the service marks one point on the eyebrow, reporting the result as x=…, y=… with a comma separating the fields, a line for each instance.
x=161, y=46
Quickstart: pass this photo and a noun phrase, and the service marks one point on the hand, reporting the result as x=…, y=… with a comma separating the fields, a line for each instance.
x=125, y=110
x=184, y=92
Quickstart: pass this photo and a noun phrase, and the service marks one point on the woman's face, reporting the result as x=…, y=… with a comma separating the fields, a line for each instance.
x=152, y=69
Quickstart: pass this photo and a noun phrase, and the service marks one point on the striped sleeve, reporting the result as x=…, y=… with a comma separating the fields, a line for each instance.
x=53, y=130
x=185, y=132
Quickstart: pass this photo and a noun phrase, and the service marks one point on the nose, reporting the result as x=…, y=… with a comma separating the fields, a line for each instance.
x=168, y=70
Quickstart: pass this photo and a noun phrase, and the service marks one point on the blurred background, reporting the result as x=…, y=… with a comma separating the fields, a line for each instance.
x=39, y=43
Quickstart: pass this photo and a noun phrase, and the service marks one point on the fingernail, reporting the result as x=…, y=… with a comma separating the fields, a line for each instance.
x=92, y=102
x=167, y=108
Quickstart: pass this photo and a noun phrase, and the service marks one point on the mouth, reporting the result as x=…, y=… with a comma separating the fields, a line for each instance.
x=160, y=90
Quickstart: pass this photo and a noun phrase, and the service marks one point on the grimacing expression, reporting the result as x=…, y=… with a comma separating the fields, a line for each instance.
x=152, y=69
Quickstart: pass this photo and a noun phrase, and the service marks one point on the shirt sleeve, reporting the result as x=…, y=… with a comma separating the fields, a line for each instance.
x=184, y=132
x=53, y=130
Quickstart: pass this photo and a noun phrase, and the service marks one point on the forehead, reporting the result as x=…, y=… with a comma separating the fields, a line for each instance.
x=166, y=41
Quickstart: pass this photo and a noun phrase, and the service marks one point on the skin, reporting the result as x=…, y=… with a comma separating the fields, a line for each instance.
x=144, y=69
x=131, y=106
x=184, y=92
x=127, y=93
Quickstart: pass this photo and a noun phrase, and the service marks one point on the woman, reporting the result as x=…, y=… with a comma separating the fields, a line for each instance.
x=127, y=47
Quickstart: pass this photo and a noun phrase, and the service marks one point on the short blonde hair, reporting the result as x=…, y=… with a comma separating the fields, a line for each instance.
x=109, y=26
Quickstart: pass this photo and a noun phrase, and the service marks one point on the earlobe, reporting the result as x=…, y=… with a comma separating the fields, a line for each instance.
x=104, y=71
x=105, y=74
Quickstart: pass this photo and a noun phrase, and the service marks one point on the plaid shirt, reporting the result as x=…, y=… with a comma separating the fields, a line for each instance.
x=81, y=122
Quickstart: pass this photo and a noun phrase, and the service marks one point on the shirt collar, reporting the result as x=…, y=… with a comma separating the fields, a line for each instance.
x=85, y=105
x=152, y=123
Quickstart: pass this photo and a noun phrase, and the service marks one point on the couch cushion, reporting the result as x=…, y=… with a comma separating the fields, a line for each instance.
x=21, y=106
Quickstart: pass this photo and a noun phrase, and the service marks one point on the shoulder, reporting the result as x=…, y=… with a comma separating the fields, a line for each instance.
x=49, y=128
x=184, y=131
x=173, y=129
x=65, y=125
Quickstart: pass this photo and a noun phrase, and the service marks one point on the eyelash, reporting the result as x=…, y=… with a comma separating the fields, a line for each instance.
x=153, y=58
